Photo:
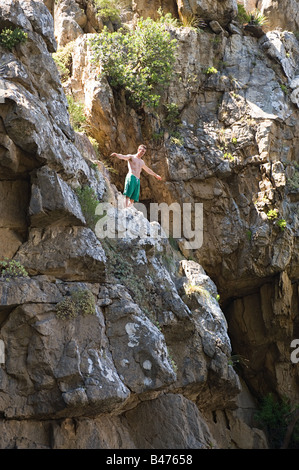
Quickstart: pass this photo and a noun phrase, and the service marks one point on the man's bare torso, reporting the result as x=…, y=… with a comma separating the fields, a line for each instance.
x=135, y=165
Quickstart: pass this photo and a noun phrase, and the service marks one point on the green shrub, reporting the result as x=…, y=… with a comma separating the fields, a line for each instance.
x=89, y=202
x=63, y=60
x=80, y=302
x=193, y=21
x=243, y=16
x=249, y=235
x=211, y=70
x=66, y=309
x=140, y=61
x=167, y=19
x=10, y=269
x=172, y=118
x=284, y=88
x=9, y=38
x=76, y=112
x=228, y=156
x=274, y=416
x=281, y=224
x=272, y=214
x=257, y=18
x=109, y=10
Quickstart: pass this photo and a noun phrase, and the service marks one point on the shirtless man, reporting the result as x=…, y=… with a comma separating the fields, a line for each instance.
x=135, y=165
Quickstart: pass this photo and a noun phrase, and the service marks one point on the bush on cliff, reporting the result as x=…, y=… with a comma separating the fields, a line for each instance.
x=140, y=61
x=9, y=38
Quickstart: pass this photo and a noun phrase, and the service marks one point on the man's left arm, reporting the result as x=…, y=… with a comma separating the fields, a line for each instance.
x=151, y=172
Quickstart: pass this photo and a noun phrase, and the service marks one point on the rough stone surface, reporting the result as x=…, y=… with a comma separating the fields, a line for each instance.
x=222, y=11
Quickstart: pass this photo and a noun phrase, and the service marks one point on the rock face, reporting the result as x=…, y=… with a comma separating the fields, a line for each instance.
x=277, y=19
x=121, y=342
x=221, y=11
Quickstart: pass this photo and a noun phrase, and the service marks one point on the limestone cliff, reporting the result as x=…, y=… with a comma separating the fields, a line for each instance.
x=103, y=344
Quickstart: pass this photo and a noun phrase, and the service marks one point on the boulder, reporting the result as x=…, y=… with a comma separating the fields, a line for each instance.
x=45, y=210
x=68, y=253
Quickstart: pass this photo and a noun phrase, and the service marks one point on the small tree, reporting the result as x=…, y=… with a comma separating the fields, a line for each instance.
x=140, y=61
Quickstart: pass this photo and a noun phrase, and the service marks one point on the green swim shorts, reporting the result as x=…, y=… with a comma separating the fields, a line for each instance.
x=132, y=187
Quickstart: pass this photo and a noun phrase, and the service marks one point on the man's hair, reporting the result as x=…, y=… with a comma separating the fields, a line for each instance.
x=142, y=146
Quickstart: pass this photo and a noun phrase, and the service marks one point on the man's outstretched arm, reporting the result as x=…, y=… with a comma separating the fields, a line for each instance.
x=120, y=156
x=151, y=172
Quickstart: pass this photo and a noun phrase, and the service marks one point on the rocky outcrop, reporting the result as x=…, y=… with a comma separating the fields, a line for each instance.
x=97, y=332
x=283, y=15
x=237, y=155
x=221, y=11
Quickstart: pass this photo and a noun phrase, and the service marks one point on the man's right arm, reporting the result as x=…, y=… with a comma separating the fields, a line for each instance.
x=120, y=156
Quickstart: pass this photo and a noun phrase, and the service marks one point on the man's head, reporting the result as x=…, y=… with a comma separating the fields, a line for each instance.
x=141, y=150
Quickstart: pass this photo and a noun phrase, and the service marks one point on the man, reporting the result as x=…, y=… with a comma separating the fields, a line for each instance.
x=135, y=165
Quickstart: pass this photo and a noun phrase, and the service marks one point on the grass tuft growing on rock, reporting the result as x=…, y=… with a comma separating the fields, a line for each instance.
x=80, y=302
x=10, y=269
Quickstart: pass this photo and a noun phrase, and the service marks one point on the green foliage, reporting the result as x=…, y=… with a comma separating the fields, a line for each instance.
x=10, y=269
x=95, y=145
x=167, y=19
x=274, y=416
x=211, y=70
x=76, y=112
x=234, y=140
x=249, y=235
x=272, y=214
x=109, y=10
x=194, y=22
x=66, y=309
x=88, y=201
x=284, y=88
x=9, y=38
x=176, y=139
x=63, y=60
x=254, y=17
x=281, y=224
x=243, y=16
x=228, y=156
x=172, y=118
x=80, y=302
x=191, y=288
x=257, y=18
x=140, y=61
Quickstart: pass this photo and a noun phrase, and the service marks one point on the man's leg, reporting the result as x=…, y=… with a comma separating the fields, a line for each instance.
x=129, y=202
